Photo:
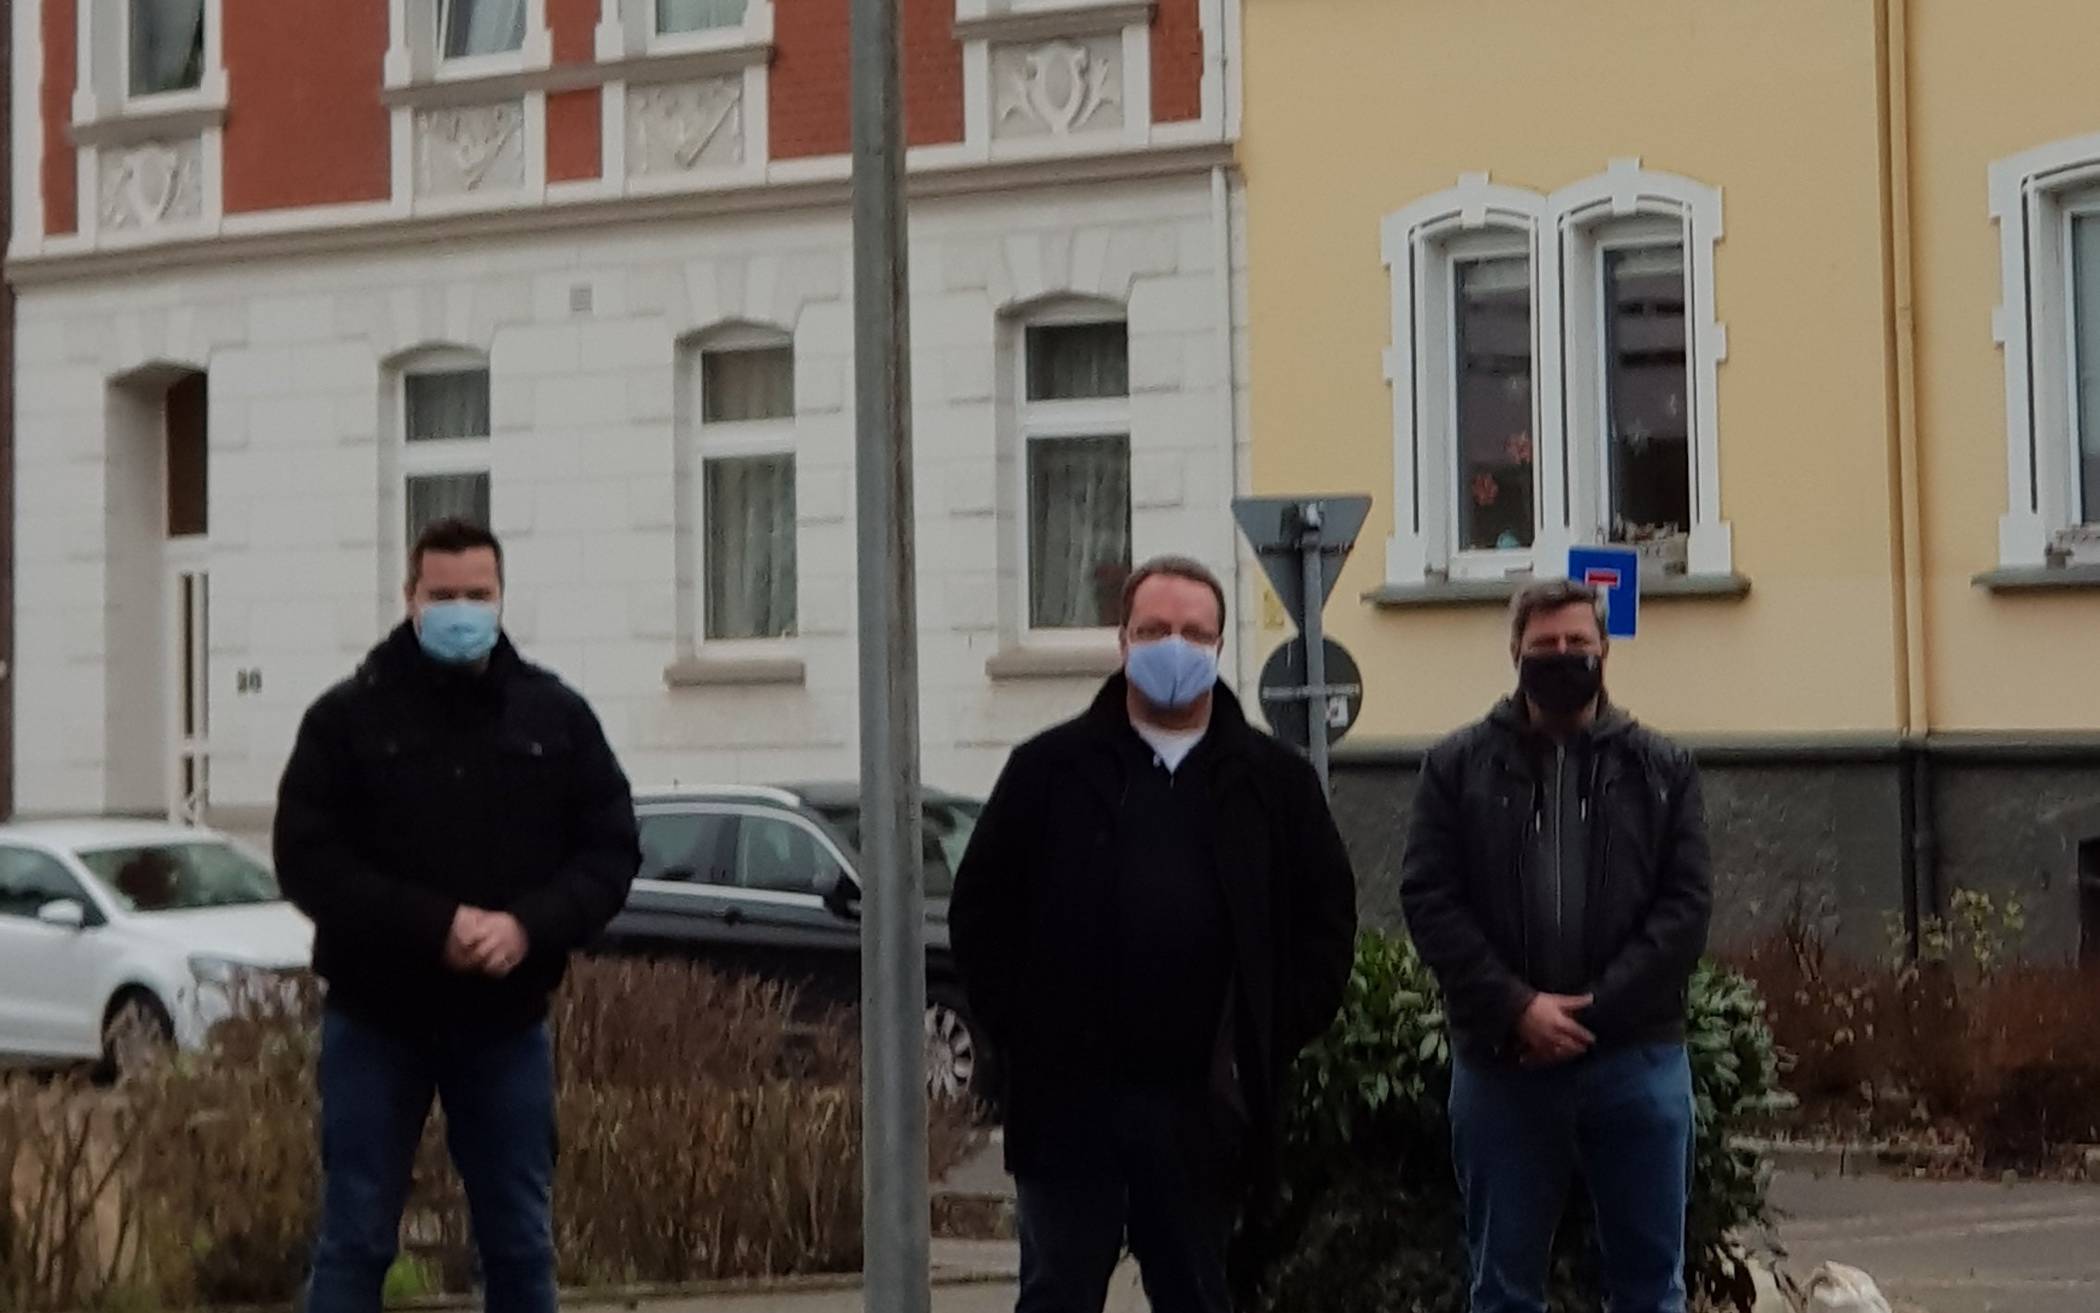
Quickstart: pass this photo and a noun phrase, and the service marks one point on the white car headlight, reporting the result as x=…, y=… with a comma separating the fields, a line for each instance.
x=220, y=971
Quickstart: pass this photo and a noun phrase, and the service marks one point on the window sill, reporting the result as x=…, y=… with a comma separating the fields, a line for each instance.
x=180, y=114
x=978, y=20
x=712, y=670
x=1498, y=592
x=473, y=81
x=2040, y=578
x=673, y=64
x=1054, y=663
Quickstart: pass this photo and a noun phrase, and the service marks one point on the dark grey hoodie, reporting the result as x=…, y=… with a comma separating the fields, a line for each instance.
x=1556, y=870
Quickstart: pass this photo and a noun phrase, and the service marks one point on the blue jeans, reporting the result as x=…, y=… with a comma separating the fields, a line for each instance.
x=1176, y=1213
x=376, y=1093
x=1623, y=1119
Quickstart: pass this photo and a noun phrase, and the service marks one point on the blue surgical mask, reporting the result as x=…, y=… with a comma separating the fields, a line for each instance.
x=1172, y=673
x=458, y=633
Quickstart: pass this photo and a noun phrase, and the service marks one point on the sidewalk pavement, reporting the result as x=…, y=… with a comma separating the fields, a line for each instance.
x=1950, y=1246
x=1939, y=1247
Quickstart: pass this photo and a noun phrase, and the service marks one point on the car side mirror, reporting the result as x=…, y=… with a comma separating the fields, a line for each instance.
x=842, y=897
x=64, y=913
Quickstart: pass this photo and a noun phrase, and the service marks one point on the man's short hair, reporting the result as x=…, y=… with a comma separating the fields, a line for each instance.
x=1551, y=595
x=448, y=537
x=1175, y=567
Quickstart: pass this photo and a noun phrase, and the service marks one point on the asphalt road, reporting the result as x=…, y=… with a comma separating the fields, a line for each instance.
x=1951, y=1247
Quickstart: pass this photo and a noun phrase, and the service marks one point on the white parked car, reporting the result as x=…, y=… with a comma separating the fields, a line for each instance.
x=130, y=931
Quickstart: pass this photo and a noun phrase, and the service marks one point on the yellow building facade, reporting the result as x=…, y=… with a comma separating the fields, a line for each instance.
x=1802, y=297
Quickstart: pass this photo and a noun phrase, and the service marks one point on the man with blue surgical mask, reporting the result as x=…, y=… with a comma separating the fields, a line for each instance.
x=1155, y=914
x=455, y=825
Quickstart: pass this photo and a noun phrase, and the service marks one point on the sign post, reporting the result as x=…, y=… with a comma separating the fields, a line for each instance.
x=1302, y=543
x=893, y=927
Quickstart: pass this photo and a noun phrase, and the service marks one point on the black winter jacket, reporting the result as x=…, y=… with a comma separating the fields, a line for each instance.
x=1650, y=892
x=414, y=789
x=1030, y=914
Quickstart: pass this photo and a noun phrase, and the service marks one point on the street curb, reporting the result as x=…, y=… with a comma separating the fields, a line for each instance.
x=1854, y=1159
x=818, y=1283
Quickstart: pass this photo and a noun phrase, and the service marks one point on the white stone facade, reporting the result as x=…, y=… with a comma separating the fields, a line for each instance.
x=582, y=330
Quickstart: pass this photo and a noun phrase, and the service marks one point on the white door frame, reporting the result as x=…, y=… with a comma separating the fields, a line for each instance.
x=186, y=676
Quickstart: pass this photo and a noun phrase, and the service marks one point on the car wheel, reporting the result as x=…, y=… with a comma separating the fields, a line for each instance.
x=954, y=1056
x=137, y=1035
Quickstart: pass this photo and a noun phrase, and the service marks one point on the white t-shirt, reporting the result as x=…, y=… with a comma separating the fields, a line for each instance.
x=1171, y=746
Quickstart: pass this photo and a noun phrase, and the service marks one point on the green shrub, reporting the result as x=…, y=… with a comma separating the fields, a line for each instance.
x=1367, y=1216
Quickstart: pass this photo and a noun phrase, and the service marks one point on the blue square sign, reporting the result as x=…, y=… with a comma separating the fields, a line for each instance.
x=1615, y=572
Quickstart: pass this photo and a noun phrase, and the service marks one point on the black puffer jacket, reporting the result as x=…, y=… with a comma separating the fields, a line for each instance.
x=414, y=789
x=1650, y=892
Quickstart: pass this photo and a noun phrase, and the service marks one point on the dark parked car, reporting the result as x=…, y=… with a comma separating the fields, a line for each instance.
x=765, y=881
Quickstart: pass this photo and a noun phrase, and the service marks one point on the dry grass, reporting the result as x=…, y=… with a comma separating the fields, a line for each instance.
x=707, y=1133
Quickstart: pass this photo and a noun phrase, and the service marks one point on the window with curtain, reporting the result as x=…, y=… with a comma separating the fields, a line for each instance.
x=445, y=459
x=1647, y=393
x=2085, y=320
x=677, y=16
x=1078, y=531
x=1491, y=401
x=746, y=385
x=481, y=27
x=167, y=46
x=1076, y=426
x=1078, y=362
x=750, y=547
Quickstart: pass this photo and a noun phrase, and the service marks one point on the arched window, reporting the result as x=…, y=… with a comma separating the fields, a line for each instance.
x=2047, y=204
x=1553, y=367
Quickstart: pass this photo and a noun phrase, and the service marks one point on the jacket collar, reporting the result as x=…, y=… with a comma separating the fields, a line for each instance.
x=1109, y=716
x=399, y=659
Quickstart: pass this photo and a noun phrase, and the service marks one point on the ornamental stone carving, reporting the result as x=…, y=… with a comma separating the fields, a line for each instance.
x=683, y=127
x=1058, y=88
x=480, y=148
x=150, y=184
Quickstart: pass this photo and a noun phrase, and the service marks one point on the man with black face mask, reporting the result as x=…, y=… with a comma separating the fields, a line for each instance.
x=1556, y=880
x=1154, y=915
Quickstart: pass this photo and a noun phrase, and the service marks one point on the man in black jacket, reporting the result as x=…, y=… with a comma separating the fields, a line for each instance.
x=1556, y=880
x=455, y=825
x=1154, y=915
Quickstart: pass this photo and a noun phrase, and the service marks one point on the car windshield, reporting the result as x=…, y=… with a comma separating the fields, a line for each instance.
x=177, y=877
x=948, y=826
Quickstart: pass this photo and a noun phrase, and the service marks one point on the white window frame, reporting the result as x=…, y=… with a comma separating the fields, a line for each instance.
x=1422, y=244
x=103, y=92
x=1035, y=421
x=436, y=457
x=416, y=51
x=1628, y=207
x=702, y=442
x=627, y=31
x=2034, y=197
x=1570, y=231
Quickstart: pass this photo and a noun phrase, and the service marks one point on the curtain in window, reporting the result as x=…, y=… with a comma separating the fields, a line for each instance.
x=484, y=27
x=737, y=386
x=167, y=46
x=434, y=497
x=2085, y=276
x=750, y=545
x=1077, y=362
x=697, y=15
x=444, y=406
x=1078, y=531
